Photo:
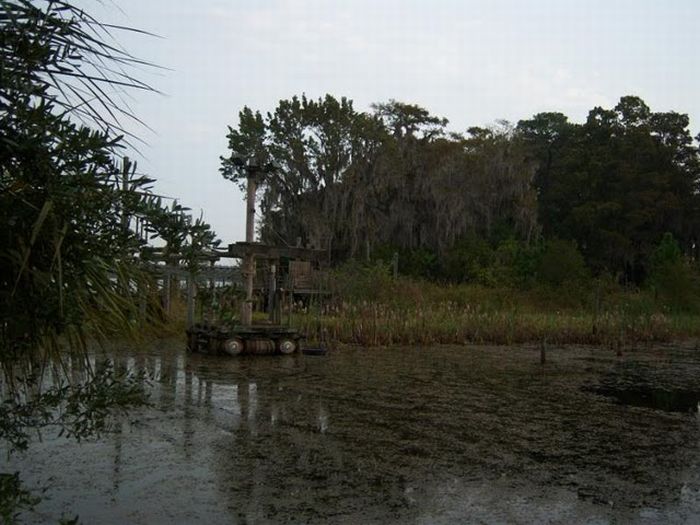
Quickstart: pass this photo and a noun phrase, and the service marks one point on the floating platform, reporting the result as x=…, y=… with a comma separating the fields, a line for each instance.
x=207, y=338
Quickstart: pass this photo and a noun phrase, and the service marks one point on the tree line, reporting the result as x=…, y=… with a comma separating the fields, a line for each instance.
x=487, y=205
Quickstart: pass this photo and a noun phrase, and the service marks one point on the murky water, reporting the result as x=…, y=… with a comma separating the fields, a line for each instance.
x=405, y=435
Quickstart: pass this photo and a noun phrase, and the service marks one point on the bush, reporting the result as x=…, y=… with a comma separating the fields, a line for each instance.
x=358, y=281
x=562, y=263
x=674, y=281
x=516, y=263
x=469, y=260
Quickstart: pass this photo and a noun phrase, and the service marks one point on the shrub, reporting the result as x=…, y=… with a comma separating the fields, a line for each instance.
x=672, y=278
x=562, y=263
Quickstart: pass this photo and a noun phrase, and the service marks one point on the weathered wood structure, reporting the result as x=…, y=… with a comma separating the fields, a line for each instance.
x=286, y=269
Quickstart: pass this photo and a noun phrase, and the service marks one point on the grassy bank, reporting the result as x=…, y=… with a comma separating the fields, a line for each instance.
x=370, y=308
x=379, y=325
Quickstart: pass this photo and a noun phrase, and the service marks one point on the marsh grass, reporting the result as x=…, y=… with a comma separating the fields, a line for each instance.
x=379, y=325
x=372, y=309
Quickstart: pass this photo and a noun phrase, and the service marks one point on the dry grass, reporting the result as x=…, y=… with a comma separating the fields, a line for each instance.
x=369, y=308
x=380, y=325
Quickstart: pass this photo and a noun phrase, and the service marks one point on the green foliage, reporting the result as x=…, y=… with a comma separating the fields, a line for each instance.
x=676, y=283
x=68, y=260
x=80, y=411
x=421, y=262
x=562, y=264
x=477, y=207
x=351, y=181
x=186, y=241
x=68, y=264
x=516, y=263
x=61, y=197
x=666, y=253
x=360, y=281
x=616, y=183
x=408, y=120
x=14, y=498
x=314, y=145
x=469, y=260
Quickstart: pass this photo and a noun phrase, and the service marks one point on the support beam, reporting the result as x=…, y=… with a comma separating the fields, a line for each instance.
x=249, y=260
x=191, y=297
x=166, y=293
x=272, y=292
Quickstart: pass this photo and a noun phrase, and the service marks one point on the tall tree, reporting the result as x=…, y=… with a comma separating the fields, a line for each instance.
x=313, y=145
x=616, y=183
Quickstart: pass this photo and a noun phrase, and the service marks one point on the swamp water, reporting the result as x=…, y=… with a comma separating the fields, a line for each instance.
x=404, y=435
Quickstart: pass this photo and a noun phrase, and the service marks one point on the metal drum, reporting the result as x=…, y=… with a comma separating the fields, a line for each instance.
x=233, y=346
x=260, y=346
x=286, y=346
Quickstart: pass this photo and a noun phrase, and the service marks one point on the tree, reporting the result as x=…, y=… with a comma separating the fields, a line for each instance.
x=314, y=145
x=616, y=183
x=395, y=180
x=361, y=181
x=409, y=120
x=66, y=263
x=61, y=194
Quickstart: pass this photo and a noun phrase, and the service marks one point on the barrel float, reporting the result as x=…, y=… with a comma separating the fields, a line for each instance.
x=233, y=346
x=286, y=346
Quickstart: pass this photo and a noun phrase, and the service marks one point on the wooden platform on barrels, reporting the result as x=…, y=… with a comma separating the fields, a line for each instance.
x=237, y=339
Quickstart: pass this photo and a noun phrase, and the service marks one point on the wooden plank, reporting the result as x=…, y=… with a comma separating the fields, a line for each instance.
x=265, y=251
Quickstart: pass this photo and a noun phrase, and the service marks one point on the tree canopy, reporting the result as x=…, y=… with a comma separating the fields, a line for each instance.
x=363, y=183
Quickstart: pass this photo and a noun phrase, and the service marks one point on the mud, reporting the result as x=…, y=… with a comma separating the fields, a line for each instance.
x=402, y=435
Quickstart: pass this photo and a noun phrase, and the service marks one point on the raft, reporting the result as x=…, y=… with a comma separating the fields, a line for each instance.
x=218, y=339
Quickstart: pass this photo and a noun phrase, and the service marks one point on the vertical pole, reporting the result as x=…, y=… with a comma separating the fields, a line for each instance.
x=271, y=292
x=249, y=261
x=543, y=351
x=166, y=292
x=191, y=295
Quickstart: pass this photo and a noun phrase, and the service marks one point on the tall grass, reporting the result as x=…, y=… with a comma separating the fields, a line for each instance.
x=369, y=308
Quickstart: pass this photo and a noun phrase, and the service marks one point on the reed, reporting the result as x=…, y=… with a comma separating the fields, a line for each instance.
x=381, y=325
x=371, y=309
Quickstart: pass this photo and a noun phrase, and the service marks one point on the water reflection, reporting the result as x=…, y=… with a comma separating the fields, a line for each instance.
x=403, y=435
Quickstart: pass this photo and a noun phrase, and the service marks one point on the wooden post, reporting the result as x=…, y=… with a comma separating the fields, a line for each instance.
x=249, y=261
x=395, y=264
x=271, y=292
x=166, y=292
x=543, y=351
x=191, y=296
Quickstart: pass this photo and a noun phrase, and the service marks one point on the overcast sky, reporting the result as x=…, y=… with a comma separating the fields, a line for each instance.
x=472, y=62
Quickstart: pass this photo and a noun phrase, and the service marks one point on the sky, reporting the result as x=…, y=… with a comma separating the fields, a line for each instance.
x=473, y=62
